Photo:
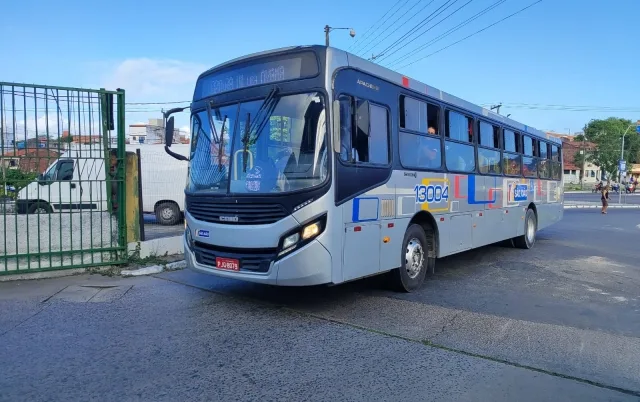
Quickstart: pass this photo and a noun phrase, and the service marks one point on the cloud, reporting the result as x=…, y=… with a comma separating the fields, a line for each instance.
x=150, y=80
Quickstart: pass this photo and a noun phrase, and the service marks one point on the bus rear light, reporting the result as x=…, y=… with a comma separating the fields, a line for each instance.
x=357, y=228
x=389, y=225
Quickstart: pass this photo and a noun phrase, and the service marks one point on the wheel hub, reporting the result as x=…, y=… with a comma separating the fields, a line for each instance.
x=167, y=213
x=414, y=258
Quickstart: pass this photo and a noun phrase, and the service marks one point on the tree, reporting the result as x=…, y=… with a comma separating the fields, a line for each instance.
x=607, y=136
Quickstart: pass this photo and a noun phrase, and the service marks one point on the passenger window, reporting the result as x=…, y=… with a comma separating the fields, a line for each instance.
x=489, y=161
x=459, y=127
x=489, y=135
x=460, y=157
x=379, y=136
x=543, y=149
x=555, y=154
x=418, y=116
x=510, y=141
x=511, y=164
x=65, y=171
x=347, y=153
x=528, y=146
x=356, y=145
x=419, y=151
x=529, y=166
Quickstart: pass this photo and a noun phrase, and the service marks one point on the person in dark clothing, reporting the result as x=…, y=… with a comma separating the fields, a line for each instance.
x=604, y=191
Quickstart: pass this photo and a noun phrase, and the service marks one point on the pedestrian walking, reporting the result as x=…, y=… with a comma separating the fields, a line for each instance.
x=604, y=197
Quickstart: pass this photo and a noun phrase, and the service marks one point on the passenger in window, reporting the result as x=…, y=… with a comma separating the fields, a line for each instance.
x=432, y=130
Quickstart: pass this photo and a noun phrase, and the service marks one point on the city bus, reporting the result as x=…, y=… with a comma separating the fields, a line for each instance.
x=310, y=165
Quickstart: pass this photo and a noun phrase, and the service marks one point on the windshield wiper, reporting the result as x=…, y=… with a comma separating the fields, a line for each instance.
x=213, y=127
x=220, y=147
x=262, y=115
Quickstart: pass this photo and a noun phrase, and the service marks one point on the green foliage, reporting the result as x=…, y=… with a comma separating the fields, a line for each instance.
x=607, y=135
x=18, y=178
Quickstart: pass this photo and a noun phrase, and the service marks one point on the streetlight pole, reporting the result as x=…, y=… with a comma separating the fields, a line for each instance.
x=328, y=29
x=622, y=158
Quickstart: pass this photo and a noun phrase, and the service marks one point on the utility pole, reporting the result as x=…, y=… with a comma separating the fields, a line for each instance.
x=328, y=29
x=497, y=107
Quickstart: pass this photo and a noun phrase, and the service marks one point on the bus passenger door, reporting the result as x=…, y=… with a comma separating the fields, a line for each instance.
x=361, y=248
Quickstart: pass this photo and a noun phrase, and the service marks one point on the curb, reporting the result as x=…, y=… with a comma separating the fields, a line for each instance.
x=154, y=269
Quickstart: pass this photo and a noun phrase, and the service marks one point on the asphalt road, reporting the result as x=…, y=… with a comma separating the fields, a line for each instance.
x=558, y=322
x=595, y=197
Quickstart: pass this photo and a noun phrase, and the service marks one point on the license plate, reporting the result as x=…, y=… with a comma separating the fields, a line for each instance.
x=230, y=264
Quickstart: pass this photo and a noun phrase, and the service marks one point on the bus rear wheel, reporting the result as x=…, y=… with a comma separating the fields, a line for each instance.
x=414, y=261
x=528, y=239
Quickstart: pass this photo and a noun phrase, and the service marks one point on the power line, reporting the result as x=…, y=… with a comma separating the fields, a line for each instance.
x=429, y=29
x=413, y=29
x=373, y=25
x=372, y=44
x=445, y=34
x=372, y=37
x=569, y=108
x=473, y=34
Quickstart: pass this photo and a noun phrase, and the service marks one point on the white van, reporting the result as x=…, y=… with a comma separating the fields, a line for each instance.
x=77, y=181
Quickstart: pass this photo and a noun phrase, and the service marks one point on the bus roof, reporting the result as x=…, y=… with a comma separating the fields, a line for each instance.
x=400, y=79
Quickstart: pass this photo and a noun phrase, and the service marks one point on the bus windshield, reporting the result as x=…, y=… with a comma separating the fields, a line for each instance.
x=260, y=147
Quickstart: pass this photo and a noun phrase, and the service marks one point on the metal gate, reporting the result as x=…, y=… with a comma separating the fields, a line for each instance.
x=62, y=192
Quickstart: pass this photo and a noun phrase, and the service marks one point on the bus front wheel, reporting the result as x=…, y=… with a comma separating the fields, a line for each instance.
x=414, y=260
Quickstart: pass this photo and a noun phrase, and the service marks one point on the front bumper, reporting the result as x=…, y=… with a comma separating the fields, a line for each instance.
x=308, y=266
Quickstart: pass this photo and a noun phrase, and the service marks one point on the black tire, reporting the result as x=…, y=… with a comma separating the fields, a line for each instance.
x=167, y=213
x=528, y=239
x=410, y=277
x=39, y=207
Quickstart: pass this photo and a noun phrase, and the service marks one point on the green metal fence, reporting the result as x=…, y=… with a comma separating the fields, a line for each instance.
x=62, y=192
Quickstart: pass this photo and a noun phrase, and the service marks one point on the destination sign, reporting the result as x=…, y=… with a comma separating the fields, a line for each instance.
x=291, y=67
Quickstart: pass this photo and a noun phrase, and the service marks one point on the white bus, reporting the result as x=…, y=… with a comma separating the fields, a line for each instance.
x=310, y=165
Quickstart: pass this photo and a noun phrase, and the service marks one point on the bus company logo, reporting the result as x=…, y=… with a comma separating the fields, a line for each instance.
x=411, y=174
x=202, y=233
x=234, y=218
x=517, y=192
x=368, y=85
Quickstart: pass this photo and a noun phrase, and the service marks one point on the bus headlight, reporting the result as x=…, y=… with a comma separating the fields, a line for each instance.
x=302, y=235
x=187, y=236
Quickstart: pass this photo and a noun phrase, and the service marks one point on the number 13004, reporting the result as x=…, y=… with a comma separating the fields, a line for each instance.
x=431, y=193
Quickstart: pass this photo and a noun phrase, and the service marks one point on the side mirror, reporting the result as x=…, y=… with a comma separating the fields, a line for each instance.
x=168, y=132
x=336, y=126
x=363, y=118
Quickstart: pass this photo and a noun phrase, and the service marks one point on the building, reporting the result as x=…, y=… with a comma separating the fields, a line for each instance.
x=570, y=151
x=153, y=133
x=29, y=160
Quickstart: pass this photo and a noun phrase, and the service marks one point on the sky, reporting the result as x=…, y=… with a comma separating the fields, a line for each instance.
x=553, y=66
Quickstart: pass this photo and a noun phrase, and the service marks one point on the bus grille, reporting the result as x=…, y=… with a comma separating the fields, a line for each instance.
x=251, y=260
x=235, y=214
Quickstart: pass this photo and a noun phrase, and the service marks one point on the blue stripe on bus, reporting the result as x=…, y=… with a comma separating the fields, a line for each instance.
x=471, y=191
x=355, y=215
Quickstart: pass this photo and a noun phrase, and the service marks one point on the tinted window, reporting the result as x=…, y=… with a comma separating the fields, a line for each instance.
x=459, y=127
x=556, y=172
x=544, y=168
x=489, y=161
x=65, y=171
x=489, y=135
x=543, y=149
x=418, y=116
x=379, y=136
x=529, y=166
x=511, y=164
x=528, y=146
x=346, y=150
x=460, y=157
x=355, y=145
x=510, y=141
x=418, y=151
x=555, y=153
